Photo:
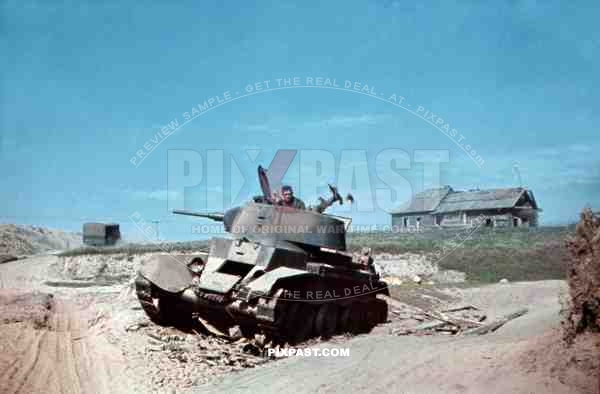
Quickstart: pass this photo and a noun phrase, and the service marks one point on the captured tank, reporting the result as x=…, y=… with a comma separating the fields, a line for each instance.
x=281, y=272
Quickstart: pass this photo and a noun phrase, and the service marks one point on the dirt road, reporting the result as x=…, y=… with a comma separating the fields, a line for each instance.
x=78, y=339
x=50, y=342
x=60, y=356
x=524, y=356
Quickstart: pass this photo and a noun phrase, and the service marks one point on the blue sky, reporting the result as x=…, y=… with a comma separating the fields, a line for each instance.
x=86, y=85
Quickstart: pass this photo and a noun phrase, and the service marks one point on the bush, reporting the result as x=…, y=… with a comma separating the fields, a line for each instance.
x=583, y=277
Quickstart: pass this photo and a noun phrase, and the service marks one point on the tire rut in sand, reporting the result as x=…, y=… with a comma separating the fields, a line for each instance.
x=59, y=357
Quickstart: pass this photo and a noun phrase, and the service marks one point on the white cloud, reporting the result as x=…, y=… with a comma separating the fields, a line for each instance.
x=348, y=120
x=160, y=195
x=345, y=121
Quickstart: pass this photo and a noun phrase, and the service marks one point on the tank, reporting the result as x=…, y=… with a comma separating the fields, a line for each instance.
x=281, y=272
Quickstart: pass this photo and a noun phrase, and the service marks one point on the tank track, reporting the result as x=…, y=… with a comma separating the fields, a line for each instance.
x=291, y=321
x=298, y=321
x=161, y=307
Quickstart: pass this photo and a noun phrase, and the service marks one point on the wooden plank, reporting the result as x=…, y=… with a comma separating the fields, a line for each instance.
x=496, y=324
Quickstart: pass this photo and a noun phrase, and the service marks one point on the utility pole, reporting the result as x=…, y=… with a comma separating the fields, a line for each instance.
x=516, y=169
x=157, y=222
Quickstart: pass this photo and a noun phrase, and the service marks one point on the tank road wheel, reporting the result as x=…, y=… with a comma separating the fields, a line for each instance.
x=382, y=311
x=300, y=323
x=291, y=310
x=326, y=320
x=283, y=311
x=154, y=302
x=376, y=314
x=161, y=307
x=248, y=330
x=359, y=317
x=345, y=322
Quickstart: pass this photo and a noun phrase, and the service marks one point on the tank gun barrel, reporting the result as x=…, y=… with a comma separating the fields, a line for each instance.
x=216, y=216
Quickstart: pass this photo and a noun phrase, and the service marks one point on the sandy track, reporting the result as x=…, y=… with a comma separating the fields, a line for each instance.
x=57, y=349
x=65, y=356
x=524, y=356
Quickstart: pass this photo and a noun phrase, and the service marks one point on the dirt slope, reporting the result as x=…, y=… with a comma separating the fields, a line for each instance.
x=26, y=240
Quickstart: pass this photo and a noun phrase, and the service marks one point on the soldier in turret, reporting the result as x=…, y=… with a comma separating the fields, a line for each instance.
x=287, y=198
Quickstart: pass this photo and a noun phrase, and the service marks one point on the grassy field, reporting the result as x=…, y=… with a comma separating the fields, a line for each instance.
x=486, y=255
x=131, y=248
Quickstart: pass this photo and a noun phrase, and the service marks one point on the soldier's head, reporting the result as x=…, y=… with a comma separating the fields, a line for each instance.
x=287, y=193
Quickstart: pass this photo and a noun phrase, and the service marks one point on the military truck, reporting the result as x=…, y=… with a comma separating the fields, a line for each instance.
x=101, y=234
x=282, y=272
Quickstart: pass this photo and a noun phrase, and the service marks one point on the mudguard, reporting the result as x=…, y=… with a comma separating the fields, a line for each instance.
x=168, y=272
x=265, y=283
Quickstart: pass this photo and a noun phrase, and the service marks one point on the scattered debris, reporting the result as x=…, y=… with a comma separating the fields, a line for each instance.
x=235, y=333
x=460, y=308
x=435, y=321
x=392, y=280
x=6, y=258
x=137, y=326
x=493, y=326
x=76, y=283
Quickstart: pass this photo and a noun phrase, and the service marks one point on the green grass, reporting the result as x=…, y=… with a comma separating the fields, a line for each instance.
x=131, y=249
x=488, y=255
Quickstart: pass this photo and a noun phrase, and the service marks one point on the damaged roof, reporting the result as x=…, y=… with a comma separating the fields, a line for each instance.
x=425, y=201
x=446, y=200
x=484, y=199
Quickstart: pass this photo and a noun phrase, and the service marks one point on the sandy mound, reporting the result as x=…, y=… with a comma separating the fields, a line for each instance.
x=31, y=308
x=119, y=267
x=402, y=267
x=25, y=240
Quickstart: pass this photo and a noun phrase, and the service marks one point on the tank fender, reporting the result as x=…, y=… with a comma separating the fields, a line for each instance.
x=267, y=282
x=168, y=272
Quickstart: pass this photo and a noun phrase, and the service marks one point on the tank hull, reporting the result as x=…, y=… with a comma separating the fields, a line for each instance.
x=275, y=287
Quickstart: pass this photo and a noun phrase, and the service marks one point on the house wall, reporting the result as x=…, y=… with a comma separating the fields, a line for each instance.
x=494, y=218
x=398, y=220
x=505, y=218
